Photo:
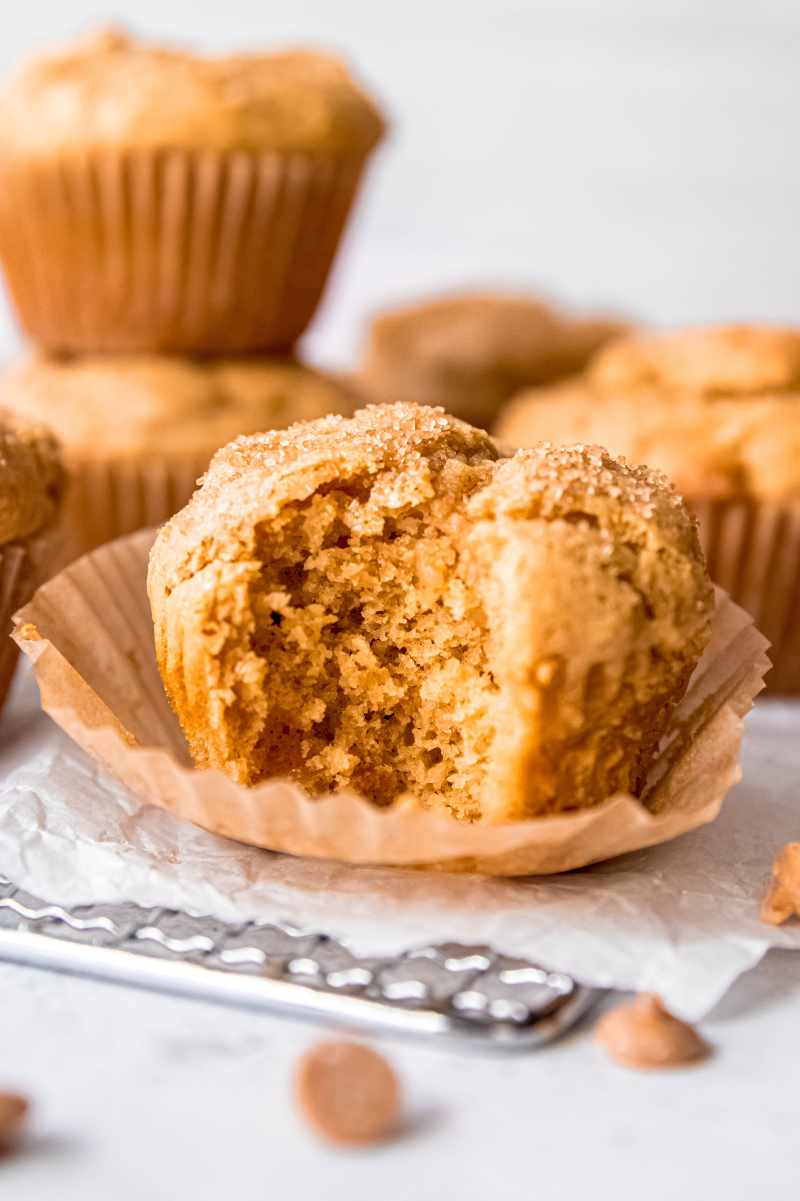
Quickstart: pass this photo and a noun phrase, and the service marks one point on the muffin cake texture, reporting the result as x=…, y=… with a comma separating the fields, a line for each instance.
x=137, y=431
x=153, y=199
x=388, y=605
x=469, y=352
x=31, y=487
x=718, y=410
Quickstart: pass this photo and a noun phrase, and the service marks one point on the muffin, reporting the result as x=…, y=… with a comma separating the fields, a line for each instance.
x=152, y=199
x=718, y=410
x=137, y=431
x=31, y=487
x=388, y=605
x=470, y=352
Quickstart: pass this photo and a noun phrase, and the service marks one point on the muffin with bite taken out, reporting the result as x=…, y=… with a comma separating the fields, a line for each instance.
x=389, y=604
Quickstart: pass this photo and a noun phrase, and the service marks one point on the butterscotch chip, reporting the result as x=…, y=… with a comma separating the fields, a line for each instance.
x=348, y=1092
x=13, y=1111
x=643, y=1034
x=783, y=896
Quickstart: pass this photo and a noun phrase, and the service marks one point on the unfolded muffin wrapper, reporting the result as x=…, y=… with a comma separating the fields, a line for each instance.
x=88, y=633
x=109, y=498
x=753, y=551
x=198, y=251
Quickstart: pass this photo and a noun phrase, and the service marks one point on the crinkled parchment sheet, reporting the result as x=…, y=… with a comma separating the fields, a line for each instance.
x=679, y=918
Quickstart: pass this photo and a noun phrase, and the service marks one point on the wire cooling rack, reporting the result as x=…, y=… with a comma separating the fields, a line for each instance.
x=449, y=991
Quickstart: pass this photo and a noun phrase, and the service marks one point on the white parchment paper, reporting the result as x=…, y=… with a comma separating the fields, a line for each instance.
x=680, y=919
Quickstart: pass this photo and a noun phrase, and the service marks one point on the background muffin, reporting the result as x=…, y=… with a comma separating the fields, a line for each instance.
x=718, y=410
x=31, y=487
x=470, y=352
x=385, y=604
x=156, y=200
x=137, y=431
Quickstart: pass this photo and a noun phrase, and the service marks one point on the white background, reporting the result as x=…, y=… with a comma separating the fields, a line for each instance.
x=640, y=154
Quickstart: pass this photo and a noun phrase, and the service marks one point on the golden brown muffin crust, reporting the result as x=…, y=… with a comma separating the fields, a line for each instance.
x=726, y=360
x=470, y=351
x=717, y=410
x=110, y=90
x=127, y=405
x=387, y=604
x=31, y=477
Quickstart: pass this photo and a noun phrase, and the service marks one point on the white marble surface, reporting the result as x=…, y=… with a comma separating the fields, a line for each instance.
x=142, y=1096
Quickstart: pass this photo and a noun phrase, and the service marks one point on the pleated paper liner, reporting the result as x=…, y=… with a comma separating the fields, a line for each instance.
x=88, y=633
x=23, y=566
x=107, y=499
x=753, y=552
x=14, y=566
x=188, y=251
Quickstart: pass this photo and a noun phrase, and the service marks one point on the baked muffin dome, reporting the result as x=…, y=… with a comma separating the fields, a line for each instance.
x=387, y=604
x=138, y=430
x=129, y=405
x=469, y=352
x=717, y=409
x=110, y=90
x=31, y=489
x=31, y=477
x=153, y=200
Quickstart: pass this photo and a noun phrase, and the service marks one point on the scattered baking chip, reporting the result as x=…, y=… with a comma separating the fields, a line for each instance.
x=348, y=1092
x=13, y=1111
x=643, y=1034
x=783, y=895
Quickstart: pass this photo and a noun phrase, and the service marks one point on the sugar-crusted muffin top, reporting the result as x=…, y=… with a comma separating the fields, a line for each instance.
x=401, y=449
x=31, y=477
x=110, y=90
x=725, y=360
x=127, y=405
x=716, y=409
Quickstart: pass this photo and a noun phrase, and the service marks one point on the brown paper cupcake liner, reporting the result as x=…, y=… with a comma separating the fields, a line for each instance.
x=187, y=251
x=106, y=500
x=23, y=567
x=88, y=633
x=753, y=551
x=16, y=586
